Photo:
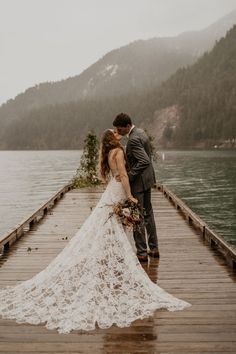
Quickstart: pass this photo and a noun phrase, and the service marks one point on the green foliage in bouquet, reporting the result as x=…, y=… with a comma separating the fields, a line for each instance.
x=128, y=214
x=86, y=174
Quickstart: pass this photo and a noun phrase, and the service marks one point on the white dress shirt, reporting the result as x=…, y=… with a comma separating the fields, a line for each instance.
x=130, y=130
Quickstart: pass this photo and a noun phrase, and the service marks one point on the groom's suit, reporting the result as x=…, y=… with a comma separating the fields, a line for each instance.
x=142, y=179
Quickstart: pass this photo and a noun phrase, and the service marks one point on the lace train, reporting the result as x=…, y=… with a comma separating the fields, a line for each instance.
x=96, y=278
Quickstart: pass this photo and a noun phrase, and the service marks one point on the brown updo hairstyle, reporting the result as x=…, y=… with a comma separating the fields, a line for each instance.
x=108, y=143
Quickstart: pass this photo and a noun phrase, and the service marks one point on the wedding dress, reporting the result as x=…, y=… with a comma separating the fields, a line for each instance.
x=95, y=279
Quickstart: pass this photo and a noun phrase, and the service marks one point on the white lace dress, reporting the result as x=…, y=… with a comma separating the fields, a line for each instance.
x=96, y=279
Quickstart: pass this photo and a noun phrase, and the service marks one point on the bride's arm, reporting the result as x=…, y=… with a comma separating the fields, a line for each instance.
x=120, y=163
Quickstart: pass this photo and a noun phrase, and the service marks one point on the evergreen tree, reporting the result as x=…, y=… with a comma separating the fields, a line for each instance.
x=86, y=174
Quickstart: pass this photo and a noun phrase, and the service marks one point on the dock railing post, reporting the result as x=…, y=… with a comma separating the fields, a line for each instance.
x=7, y=240
x=213, y=239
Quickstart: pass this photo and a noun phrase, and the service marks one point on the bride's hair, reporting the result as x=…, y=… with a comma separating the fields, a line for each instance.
x=108, y=143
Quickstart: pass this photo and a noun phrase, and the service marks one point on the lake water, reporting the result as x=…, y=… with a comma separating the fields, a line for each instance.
x=205, y=180
x=29, y=178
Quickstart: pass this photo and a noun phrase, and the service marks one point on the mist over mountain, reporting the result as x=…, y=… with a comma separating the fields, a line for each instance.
x=58, y=115
x=138, y=66
x=197, y=105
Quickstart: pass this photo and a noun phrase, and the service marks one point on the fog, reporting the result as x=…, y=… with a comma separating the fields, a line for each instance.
x=45, y=40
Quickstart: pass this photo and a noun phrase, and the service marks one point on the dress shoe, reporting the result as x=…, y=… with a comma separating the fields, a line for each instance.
x=154, y=253
x=142, y=258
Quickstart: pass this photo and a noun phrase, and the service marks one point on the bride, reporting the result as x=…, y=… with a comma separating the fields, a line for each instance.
x=97, y=278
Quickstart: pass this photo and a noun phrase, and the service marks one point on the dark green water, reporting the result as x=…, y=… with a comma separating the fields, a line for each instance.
x=206, y=181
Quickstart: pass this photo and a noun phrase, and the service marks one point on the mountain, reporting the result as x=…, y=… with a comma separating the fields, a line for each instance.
x=198, y=42
x=139, y=66
x=195, y=107
x=182, y=109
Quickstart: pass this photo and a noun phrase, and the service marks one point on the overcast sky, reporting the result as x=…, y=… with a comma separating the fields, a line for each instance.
x=48, y=40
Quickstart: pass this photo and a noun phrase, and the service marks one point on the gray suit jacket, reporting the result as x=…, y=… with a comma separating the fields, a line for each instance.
x=141, y=172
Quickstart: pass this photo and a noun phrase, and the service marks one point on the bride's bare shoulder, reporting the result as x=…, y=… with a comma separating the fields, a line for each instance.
x=116, y=153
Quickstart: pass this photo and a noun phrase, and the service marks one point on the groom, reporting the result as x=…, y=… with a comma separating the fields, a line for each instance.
x=142, y=179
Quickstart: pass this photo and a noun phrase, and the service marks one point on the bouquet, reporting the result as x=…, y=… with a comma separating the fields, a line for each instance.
x=128, y=214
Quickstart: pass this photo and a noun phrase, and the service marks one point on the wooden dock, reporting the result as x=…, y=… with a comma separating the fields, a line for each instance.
x=189, y=268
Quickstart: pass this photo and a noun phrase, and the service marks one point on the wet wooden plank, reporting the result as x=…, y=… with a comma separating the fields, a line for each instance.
x=188, y=268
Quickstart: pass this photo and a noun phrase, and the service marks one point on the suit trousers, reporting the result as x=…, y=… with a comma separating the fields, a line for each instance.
x=144, y=199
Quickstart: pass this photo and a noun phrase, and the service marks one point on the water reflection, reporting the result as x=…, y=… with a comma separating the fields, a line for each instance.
x=151, y=268
x=206, y=181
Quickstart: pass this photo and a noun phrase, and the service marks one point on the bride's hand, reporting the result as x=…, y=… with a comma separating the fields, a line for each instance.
x=117, y=177
x=132, y=199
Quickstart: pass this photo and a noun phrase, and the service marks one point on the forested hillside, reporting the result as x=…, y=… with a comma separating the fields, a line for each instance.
x=203, y=96
x=206, y=96
x=64, y=126
x=139, y=66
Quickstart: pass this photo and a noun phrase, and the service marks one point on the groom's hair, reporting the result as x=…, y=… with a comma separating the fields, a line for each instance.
x=122, y=120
